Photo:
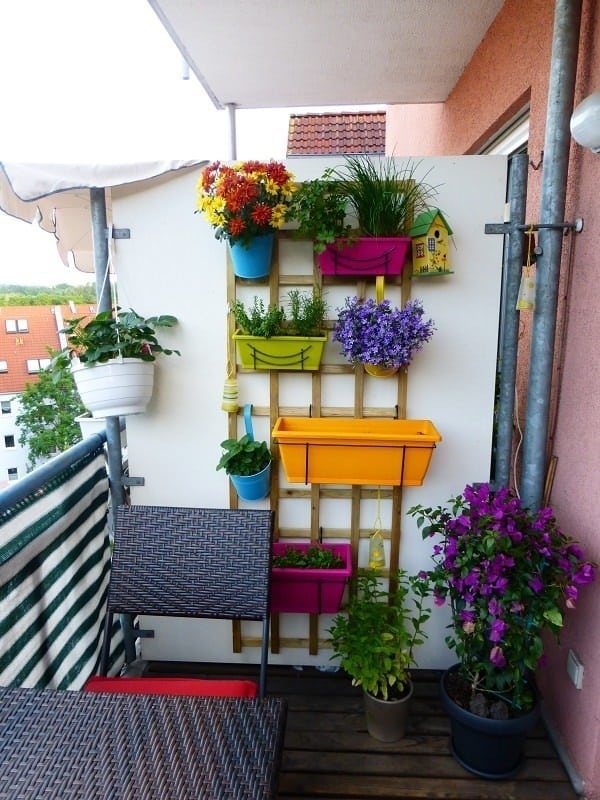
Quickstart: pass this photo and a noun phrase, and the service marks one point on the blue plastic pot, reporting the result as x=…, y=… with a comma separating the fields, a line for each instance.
x=253, y=487
x=253, y=261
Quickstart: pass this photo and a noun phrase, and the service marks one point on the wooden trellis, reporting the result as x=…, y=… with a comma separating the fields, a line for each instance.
x=349, y=529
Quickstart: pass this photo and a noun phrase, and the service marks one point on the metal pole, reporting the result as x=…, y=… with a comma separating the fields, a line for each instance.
x=563, y=66
x=509, y=331
x=113, y=428
x=232, y=131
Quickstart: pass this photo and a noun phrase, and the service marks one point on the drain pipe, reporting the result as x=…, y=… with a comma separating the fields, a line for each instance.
x=509, y=336
x=563, y=67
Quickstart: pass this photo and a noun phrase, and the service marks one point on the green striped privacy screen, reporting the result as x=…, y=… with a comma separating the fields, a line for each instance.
x=54, y=571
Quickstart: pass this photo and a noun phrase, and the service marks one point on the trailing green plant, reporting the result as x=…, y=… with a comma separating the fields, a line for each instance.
x=319, y=206
x=375, y=640
x=314, y=557
x=305, y=317
x=244, y=456
x=106, y=336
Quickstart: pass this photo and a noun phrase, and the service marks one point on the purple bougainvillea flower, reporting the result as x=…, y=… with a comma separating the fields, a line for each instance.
x=497, y=657
x=497, y=630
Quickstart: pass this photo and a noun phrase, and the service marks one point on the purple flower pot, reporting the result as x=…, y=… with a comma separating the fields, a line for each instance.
x=368, y=256
x=309, y=591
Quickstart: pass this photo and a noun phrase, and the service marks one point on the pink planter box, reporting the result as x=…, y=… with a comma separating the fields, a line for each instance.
x=369, y=256
x=309, y=591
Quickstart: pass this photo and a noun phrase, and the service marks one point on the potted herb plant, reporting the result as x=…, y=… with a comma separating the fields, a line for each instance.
x=383, y=195
x=248, y=464
x=112, y=359
x=309, y=578
x=269, y=337
x=510, y=575
x=246, y=202
x=375, y=643
x=379, y=336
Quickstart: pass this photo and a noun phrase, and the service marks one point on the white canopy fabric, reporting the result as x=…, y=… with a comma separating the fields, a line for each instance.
x=57, y=198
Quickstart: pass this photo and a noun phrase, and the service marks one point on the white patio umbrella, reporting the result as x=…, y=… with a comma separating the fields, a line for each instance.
x=58, y=198
x=72, y=201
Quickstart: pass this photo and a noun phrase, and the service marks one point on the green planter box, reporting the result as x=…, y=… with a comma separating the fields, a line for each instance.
x=280, y=352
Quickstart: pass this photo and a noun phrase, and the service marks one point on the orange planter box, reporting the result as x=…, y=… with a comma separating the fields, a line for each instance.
x=371, y=452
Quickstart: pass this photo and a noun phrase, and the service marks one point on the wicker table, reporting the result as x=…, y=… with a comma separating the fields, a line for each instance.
x=58, y=745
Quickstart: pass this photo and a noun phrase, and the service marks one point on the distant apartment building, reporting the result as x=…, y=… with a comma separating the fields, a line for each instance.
x=26, y=333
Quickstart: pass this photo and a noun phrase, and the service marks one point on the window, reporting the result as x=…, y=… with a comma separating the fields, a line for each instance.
x=13, y=474
x=37, y=364
x=16, y=326
x=3, y=366
x=9, y=441
x=5, y=406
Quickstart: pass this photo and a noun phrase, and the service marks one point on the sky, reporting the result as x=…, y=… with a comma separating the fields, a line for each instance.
x=88, y=81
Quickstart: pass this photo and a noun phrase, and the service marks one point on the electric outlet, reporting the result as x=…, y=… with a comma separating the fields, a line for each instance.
x=575, y=669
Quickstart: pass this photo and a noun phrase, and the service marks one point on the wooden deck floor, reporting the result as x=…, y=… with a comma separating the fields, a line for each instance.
x=329, y=754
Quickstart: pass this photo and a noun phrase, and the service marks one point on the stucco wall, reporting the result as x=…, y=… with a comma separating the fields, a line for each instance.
x=510, y=68
x=172, y=264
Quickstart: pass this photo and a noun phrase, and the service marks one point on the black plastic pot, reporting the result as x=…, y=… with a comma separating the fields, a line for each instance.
x=489, y=748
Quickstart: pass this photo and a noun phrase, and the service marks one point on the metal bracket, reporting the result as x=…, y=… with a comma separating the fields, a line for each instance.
x=121, y=233
x=131, y=481
x=507, y=227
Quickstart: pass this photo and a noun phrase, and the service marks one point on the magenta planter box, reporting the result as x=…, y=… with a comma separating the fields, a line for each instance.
x=309, y=591
x=368, y=256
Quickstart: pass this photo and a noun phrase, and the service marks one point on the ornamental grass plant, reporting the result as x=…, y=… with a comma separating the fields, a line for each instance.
x=245, y=199
x=381, y=334
x=509, y=574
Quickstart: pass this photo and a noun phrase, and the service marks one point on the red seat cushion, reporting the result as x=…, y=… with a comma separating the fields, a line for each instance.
x=177, y=686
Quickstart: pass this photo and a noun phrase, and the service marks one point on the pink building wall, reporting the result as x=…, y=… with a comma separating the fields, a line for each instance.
x=510, y=69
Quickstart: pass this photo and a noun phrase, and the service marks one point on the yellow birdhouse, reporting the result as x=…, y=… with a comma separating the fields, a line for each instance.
x=430, y=233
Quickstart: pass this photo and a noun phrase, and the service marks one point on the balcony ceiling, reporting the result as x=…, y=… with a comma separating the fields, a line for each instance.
x=285, y=53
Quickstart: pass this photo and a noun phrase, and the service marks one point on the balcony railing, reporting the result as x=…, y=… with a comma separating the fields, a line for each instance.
x=54, y=571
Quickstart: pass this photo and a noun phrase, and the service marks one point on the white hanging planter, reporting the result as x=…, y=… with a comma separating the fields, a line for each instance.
x=115, y=388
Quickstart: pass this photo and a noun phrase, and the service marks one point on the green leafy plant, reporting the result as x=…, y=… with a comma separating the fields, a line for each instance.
x=384, y=195
x=244, y=456
x=375, y=640
x=314, y=557
x=103, y=337
x=46, y=419
x=319, y=206
x=306, y=313
x=305, y=317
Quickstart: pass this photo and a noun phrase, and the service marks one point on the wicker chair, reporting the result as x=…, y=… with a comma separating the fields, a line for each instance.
x=189, y=562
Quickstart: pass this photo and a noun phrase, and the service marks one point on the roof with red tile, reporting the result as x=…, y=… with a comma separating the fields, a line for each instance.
x=37, y=329
x=336, y=134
